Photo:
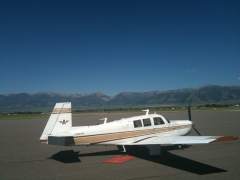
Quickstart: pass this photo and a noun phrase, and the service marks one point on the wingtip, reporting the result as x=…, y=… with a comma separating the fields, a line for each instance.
x=227, y=138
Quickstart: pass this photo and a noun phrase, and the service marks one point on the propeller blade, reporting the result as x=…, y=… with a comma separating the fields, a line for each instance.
x=190, y=119
x=195, y=129
x=189, y=113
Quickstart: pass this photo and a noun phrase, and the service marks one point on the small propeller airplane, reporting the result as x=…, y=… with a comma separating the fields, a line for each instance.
x=150, y=130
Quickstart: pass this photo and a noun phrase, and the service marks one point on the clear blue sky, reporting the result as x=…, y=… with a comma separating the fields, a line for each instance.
x=118, y=45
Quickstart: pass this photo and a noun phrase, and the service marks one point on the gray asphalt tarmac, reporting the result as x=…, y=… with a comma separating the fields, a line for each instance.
x=22, y=156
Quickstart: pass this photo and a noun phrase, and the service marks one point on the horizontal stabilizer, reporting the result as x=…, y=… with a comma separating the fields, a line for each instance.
x=61, y=141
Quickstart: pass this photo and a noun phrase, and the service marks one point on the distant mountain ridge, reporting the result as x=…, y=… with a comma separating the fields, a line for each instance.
x=45, y=101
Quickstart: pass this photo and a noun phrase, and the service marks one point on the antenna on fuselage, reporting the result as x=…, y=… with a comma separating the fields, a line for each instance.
x=104, y=120
x=146, y=110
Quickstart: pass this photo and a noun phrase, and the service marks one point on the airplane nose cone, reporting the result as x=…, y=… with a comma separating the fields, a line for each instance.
x=188, y=122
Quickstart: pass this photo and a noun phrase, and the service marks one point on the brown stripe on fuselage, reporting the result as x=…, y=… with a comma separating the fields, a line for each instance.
x=99, y=138
x=61, y=110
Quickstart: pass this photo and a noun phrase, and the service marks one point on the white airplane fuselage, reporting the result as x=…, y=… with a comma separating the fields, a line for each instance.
x=124, y=130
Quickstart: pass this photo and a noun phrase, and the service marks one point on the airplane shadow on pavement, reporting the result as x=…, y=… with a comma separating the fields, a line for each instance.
x=68, y=156
x=166, y=158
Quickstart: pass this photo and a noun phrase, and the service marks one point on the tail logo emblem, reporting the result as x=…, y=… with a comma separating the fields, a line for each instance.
x=63, y=122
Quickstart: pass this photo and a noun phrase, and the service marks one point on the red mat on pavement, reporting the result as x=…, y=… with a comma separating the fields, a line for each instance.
x=119, y=159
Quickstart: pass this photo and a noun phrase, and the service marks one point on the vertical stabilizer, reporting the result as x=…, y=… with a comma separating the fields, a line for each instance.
x=60, y=120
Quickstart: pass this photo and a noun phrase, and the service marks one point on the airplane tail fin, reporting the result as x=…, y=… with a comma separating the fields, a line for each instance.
x=60, y=121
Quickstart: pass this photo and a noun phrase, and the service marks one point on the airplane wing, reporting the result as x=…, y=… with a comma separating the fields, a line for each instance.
x=173, y=140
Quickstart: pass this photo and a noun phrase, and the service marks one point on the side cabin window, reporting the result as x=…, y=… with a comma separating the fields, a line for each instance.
x=158, y=121
x=137, y=123
x=147, y=122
